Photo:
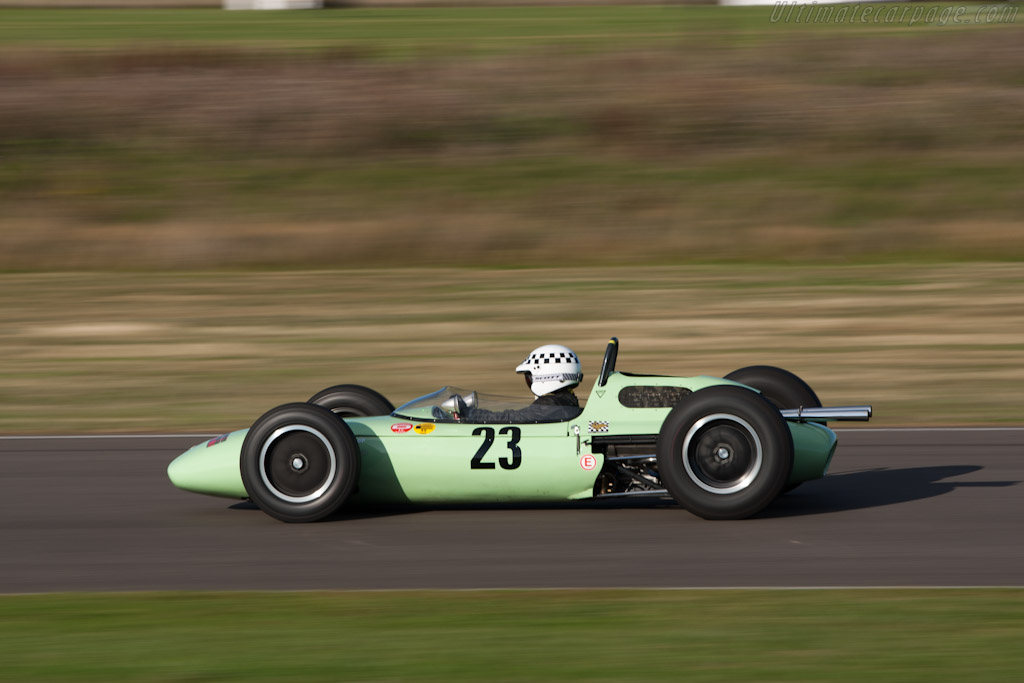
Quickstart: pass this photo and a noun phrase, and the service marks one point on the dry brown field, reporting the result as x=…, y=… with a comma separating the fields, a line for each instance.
x=209, y=352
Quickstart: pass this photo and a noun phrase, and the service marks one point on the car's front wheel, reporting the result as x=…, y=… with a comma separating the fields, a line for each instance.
x=724, y=453
x=781, y=387
x=299, y=462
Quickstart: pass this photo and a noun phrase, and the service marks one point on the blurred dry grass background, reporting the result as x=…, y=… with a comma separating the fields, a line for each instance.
x=205, y=214
x=766, y=144
x=930, y=345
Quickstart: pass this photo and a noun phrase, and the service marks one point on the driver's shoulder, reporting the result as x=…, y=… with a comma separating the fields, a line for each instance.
x=558, y=398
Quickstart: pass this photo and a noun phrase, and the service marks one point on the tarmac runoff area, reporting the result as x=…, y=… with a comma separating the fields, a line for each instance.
x=901, y=507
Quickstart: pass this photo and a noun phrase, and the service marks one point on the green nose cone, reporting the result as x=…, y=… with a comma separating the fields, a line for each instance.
x=211, y=467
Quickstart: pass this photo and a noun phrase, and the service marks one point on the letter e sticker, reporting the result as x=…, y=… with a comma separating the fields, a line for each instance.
x=424, y=428
x=588, y=462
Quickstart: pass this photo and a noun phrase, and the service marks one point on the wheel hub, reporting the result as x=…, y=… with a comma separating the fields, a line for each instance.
x=722, y=453
x=298, y=464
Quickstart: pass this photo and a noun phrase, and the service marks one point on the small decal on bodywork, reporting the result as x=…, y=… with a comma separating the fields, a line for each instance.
x=588, y=462
x=401, y=427
x=425, y=428
x=220, y=439
x=599, y=426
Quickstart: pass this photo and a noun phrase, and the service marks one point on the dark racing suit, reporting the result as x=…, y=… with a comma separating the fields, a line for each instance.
x=554, y=407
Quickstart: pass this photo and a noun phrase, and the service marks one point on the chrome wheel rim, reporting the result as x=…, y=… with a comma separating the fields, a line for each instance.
x=722, y=453
x=297, y=464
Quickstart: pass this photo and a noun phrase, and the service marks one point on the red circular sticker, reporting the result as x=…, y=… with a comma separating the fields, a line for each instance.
x=401, y=427
x=588, y=462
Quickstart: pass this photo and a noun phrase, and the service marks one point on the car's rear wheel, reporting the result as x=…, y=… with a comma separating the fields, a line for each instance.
x=299, y=462
x=724, y=453
x=352, y=400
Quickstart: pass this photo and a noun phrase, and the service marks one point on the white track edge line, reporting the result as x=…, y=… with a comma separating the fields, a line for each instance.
x=40, y=437
x=30, y=437
x=853, y=430
x=520, y=589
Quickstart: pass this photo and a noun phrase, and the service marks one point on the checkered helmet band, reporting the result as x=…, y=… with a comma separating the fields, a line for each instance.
x=552, y=367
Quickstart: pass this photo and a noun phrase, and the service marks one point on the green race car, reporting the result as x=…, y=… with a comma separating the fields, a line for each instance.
x=723, y=448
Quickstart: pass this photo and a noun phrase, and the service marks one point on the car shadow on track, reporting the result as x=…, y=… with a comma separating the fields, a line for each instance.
x=874, y=488
x=835, y=493
x=352, y=512
x=371, y=511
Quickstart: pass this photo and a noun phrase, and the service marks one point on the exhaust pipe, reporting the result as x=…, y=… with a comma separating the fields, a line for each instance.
x=837, y=414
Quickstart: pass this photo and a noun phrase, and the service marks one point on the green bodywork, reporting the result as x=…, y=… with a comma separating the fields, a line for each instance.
x=407, y=466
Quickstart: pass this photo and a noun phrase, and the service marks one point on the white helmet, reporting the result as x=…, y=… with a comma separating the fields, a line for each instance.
x=551, y=367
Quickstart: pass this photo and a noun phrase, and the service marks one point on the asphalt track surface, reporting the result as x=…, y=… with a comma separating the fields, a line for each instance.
x=900, y=508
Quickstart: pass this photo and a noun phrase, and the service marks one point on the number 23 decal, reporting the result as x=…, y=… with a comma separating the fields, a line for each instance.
x=477, y=463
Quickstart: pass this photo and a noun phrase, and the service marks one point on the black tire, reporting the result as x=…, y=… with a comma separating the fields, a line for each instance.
x=724, y=452
x=299, y=462
x=781, y=387
x=352, y=400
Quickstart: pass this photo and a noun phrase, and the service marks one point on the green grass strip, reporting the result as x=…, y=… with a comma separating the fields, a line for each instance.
x=717, y=635
x=512, y=27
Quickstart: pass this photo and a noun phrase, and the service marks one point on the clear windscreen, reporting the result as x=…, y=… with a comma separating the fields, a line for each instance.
x=423, y=408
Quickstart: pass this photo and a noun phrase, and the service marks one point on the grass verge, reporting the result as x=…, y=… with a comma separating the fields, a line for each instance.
x=399, y=31
x=718, y=635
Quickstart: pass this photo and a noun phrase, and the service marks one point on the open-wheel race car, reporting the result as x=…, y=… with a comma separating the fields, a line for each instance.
x=723, y=448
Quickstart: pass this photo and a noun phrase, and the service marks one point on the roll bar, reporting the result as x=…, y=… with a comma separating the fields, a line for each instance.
x=608, y=365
